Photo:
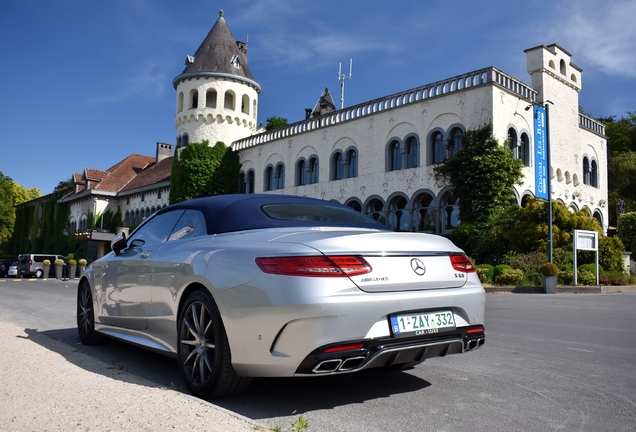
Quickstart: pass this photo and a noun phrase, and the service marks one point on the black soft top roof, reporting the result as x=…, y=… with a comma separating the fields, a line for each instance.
x=228, y=213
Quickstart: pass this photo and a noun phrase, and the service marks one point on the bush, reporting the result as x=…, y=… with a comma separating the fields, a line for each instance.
x=72, y=262
x=59, y=262
x=535, y=278
x=46, y=262
x=585, y=277
x=566, y=277
x=498, y=270
x=485, y=273
x=549, y=269
x=82, y=261
x=527, y=262
x=591, y=268
x=613, y=279
x=509, y=277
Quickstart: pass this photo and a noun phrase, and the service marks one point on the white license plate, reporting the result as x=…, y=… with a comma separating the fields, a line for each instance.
x=415, y=324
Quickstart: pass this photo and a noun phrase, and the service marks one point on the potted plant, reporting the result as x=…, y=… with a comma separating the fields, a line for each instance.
x=59, y=266
x=72, y=268
x=46, y=267
x=82, y=265
x=549, y=272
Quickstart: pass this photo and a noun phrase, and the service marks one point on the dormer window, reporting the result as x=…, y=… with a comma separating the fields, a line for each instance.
x=235, y=61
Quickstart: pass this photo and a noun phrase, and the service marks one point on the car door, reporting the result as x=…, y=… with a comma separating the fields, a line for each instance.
x=124, y=280
x=174, y=267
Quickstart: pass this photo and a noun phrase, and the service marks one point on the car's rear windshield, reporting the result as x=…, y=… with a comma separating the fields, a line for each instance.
x=314, y=212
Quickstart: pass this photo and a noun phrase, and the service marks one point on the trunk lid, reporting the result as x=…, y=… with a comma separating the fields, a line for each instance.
x=400, y=261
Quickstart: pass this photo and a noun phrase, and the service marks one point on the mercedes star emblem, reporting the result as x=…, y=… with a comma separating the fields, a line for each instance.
x=418, y=267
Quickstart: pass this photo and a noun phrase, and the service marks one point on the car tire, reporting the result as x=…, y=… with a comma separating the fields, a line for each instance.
x=39, y=273
x=86, y=315
x=204, y=355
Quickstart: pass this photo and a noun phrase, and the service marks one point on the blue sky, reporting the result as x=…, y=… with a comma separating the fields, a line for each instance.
x=83, y=84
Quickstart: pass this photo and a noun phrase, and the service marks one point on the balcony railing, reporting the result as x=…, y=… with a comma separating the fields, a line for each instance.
x=456, y=84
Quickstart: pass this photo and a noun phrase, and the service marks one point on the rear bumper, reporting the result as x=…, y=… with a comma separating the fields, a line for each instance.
x=390, y=352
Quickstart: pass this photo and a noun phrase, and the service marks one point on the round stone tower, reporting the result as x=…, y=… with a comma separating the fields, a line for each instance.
x=217, y=97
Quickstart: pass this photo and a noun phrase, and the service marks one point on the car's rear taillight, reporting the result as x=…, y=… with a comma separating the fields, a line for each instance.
x=461, y=263
x=322, y=266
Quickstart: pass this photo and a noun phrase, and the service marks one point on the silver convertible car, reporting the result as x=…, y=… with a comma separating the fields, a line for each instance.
x=242, y=286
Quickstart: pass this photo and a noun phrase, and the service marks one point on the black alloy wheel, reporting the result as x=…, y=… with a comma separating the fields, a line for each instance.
x=86, y=315
x=203, y=349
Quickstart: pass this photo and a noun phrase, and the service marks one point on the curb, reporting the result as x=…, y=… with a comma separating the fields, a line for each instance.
x=566, y=289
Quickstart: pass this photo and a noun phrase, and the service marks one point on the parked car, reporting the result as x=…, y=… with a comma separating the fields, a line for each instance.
x=241, y=286
x=33, y=264
x=13, y=270
x=4, y=267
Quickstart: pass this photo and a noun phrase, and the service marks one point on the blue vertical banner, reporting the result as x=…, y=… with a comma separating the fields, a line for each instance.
x=541, y=169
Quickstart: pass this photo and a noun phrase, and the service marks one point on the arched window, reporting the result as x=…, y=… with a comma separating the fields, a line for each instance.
x=513, y=143
x=245, y=104
x=195, y=99
x=375, y=211
x=412, y=153
x=185, y=140
x=250, y=182
x=301, y=175
x=352, y=163
x=437, y=146
x=269, y=178
x=229, y=100
x=586, y=171
x=180, y=102
x=524, y=149
x=313, y=170
x=449, y=210
x=594, y=174
x=395, y=157
x=337, y=167
x=425, y=214
x=210, y=98
x=562, y=67
x=457, y=141
x=280, y=176
x=355, y=205
x=179, y=142
x=242, y=185
x=398, y=215
x=127, y=218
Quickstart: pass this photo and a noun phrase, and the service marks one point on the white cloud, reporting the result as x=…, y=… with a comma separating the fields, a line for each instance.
x=602, y=34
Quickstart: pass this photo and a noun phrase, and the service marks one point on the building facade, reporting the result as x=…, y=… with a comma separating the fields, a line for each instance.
x=379, y=156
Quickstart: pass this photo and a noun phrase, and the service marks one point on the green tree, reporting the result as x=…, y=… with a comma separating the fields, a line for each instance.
x=200, y=170
x=275, y=123
x=7, y=213
x=483, y=173
x=622, y=182
x=22, y=195
x=621, y=134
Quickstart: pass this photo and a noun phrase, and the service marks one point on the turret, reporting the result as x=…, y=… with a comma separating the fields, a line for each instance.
x=217, y=97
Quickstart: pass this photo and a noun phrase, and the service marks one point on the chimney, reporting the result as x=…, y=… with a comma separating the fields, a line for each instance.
x=164, y=151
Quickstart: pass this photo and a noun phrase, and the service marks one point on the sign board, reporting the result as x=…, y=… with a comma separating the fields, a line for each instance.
x=541, y=169
x=585, y=240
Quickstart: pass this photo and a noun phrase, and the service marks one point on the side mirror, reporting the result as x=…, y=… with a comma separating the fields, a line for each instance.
x=118, y=243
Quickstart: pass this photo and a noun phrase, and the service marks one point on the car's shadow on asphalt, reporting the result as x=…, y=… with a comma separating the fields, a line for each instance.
x=265, y=398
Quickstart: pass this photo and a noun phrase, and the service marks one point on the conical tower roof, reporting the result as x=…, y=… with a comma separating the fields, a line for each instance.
x=219, y=55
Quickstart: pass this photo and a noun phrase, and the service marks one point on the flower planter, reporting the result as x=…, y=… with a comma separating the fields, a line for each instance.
x=72, y=271
x=58, y=271
x=46, y=271
x=550, y=284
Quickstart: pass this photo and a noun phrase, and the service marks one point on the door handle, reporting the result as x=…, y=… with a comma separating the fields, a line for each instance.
x=145, y=254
